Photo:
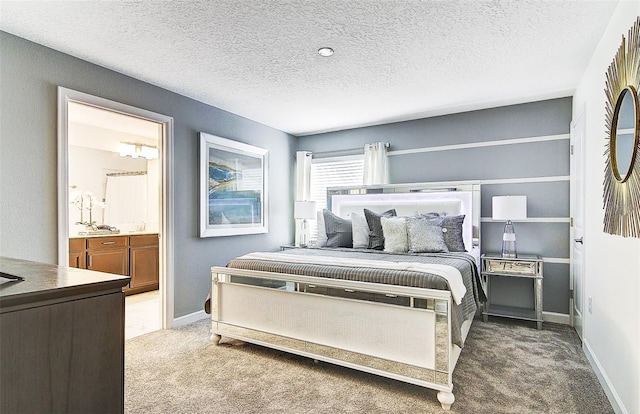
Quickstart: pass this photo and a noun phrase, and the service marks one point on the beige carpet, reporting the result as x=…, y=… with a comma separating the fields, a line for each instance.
x=506, y=367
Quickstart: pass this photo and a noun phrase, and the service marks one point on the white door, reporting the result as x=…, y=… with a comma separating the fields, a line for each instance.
x=577, y=217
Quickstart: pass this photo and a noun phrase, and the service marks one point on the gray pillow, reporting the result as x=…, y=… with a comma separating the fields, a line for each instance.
x=452, y=231
x=376, y=236
x=339, y=232
x=425, y=236
x=322, y=232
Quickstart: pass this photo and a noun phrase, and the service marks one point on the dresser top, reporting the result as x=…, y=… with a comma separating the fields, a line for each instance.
x=49, y=282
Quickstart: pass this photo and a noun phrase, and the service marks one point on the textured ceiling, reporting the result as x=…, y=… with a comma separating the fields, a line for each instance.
x=394, y=60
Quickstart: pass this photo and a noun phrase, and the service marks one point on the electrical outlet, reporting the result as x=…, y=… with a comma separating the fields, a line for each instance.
x=590, y=300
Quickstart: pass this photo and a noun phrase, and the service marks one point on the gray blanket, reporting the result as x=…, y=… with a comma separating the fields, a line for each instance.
x=461, y=261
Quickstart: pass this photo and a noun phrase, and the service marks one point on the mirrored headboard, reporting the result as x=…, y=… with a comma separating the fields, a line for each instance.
x=413, y=199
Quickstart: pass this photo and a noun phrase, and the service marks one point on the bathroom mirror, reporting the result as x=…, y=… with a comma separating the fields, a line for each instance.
x=624, y=134
x=622, y=172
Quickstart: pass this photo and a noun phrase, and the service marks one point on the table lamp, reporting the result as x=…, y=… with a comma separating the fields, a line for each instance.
x=304, y=210
x=509, y=208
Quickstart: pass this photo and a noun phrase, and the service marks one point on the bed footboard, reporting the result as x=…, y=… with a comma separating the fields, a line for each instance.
x=398, y=332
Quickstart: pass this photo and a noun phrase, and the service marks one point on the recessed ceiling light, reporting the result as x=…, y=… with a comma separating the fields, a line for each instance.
x=325, y=51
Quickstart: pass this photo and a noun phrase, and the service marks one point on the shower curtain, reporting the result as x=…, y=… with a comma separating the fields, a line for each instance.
x=126, y=198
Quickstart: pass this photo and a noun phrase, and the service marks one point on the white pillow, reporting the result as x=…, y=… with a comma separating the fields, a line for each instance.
x=360, y=230
x=394, y=230
x=322, y=231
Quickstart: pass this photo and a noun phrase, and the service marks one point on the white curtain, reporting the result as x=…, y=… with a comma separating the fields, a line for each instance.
x=303, y=185
x=376, y=166
x=126, y=198
x=303, y=175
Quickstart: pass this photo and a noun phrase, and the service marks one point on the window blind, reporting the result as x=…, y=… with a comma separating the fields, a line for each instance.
x=332, y=172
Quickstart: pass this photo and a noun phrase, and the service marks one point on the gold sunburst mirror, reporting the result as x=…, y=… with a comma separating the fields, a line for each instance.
x=622, y=173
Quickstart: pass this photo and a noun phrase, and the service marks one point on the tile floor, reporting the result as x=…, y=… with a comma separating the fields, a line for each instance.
x=142, y=314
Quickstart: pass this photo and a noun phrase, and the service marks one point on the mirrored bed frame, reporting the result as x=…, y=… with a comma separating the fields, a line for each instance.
x=398, y=332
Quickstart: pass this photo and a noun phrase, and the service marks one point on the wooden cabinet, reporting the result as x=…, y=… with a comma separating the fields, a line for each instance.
x=136, y=256
x=108, y=254
x=77, y=253
x=144, y=259
x=62, y=340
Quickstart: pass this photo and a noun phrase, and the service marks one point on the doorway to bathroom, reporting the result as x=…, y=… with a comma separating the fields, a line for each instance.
x=114, y=169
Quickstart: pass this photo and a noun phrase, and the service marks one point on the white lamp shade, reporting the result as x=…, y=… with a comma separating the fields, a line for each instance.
x=509, y=207
x=304, y=210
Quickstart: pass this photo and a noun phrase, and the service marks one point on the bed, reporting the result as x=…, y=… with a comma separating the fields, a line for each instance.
x=400, y=315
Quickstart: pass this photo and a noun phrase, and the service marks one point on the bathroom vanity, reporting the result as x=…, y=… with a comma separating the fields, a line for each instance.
x=133, y=255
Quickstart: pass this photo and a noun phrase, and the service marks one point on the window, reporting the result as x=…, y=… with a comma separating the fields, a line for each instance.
x=332, y=172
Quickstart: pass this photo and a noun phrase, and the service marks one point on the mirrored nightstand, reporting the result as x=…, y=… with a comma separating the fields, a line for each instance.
x=524, y=266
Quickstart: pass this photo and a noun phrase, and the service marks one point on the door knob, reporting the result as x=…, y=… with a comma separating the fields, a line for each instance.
x=579, y=240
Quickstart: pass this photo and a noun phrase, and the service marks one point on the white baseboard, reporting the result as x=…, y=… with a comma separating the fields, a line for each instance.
x=553, y=317
x=612, y=395
x=190, y=318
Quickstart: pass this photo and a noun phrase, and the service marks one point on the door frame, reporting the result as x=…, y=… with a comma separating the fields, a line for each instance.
x=578, y=127
x=166, y=264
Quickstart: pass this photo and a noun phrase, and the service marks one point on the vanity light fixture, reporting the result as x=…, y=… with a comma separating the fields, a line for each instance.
x=150, y=153
x=133, y=150
x=325, y=51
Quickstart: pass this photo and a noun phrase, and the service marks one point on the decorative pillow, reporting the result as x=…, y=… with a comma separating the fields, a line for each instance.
x=339, y=232
x=376, y=237
x=425, y=236
x=322, y=232
x=360, y=231
x=452, y=231
x=395, y=234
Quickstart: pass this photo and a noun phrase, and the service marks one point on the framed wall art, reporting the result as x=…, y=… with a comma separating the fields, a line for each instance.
x=233, y=187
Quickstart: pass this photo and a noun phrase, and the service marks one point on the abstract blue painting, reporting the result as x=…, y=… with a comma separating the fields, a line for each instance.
x=234, y=187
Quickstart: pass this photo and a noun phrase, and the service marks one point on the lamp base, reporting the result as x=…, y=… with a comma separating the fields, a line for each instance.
x=509, y=241
x=304, y=233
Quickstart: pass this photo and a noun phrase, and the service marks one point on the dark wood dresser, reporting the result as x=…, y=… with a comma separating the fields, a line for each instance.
x=61, y=339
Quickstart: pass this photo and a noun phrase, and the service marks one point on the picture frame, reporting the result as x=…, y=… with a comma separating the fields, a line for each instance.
x=233, y=187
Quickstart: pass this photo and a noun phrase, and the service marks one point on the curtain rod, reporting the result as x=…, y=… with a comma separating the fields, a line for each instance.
x=346, y=151
x=349, y=151
x=127, y=173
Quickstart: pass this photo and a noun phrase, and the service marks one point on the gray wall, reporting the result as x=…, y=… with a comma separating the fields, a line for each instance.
x=527, y=161
x=29, y=76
